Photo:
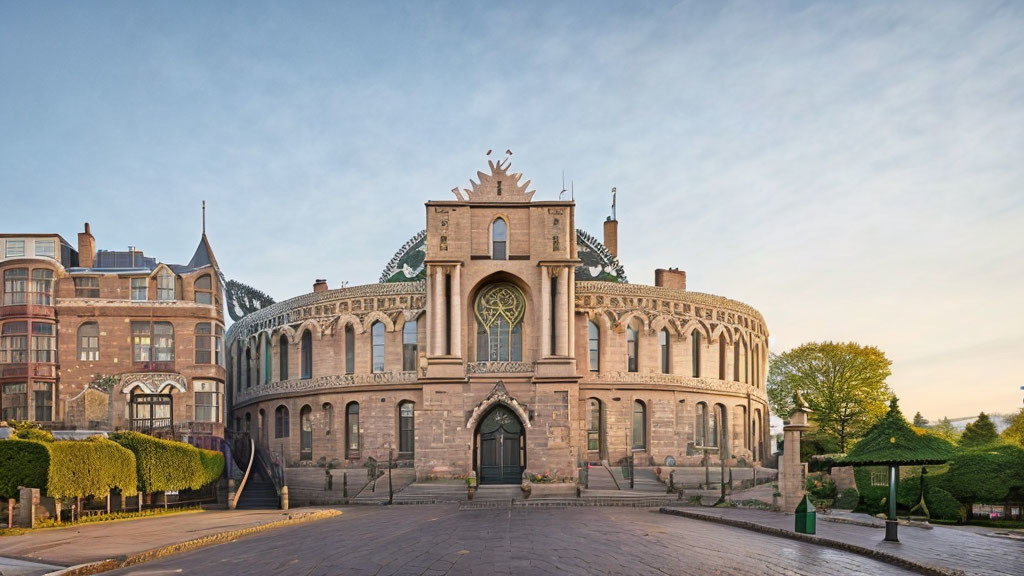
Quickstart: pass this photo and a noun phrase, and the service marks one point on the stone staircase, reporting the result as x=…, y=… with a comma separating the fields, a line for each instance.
x=377, y=492
x=258, y=492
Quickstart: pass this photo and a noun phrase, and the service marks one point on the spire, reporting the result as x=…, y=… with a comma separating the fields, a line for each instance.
x=204, y=217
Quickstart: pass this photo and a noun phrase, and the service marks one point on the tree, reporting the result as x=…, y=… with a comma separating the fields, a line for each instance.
x=1015, y=431
x=945, y=429
x=843, y=382
x=979, y=433
x=920, y=421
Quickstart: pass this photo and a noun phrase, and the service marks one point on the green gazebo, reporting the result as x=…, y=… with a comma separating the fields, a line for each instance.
x=893, y=443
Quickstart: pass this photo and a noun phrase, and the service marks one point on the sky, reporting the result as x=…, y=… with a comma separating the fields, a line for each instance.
x=853, y=170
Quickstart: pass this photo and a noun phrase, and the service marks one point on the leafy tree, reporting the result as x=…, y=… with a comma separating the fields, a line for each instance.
x=979, y=433
x=843, y=382
x=1014, y=433
x=945, y=429
x=920, y=421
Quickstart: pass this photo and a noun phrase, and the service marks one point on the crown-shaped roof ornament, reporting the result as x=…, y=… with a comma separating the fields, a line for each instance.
x=499, y=185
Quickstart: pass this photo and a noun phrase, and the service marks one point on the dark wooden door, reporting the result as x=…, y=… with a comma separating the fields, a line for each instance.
x=501, y=441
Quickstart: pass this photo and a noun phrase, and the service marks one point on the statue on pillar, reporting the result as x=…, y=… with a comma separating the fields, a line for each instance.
x=792, y=475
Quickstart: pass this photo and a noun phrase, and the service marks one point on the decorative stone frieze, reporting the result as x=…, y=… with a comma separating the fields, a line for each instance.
x=323, y=384
x=500, y=367
x=686, y=383
x=152, y=382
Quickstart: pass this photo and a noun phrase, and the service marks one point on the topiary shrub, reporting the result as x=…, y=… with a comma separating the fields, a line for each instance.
x=847, y=499
x=943, y=506
x=22, y=463
x=163, y=465
x=34, y=434
x=213, y=465
x=985, y=475
x=90, y=467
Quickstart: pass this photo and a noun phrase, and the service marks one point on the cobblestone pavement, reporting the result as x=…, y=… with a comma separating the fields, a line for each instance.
x=438, y=539
x=972, y=552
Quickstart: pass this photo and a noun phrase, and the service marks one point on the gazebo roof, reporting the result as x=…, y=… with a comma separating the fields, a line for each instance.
x=893, y=442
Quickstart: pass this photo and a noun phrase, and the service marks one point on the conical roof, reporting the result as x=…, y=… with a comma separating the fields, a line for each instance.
x=203, y=255
x=893, y=441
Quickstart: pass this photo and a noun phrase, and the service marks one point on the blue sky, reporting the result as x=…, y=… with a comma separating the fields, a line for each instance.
x=853, y=170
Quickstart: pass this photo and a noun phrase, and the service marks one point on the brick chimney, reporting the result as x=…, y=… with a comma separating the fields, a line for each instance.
x=86, y=248
x=611, y=236
x=320, y=285
x=671, y=278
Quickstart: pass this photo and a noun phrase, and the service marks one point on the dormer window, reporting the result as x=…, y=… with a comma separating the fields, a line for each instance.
x=499, y=239
x=165, y=286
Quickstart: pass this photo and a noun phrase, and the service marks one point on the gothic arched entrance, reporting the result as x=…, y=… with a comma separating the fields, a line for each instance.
x=500, y=447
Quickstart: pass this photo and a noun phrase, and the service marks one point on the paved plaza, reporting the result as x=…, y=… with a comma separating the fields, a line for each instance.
x=440, y=539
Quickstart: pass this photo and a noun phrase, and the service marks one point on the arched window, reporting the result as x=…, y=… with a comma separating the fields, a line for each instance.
x=282, y=363
x=639, y=425
x=499, y=239
x=663, y=342
x=746, y=363
x=307, y=355
x=736, y=361
x=377, y=334
x=721, y=357
x=350, y=349
x=700, y=425
x=594, y=425
x=632, y=347
x=248, y=367
x=329, y=416
x=305, y=433
x=406, y=429
x=410, y=345
x=281, y=424
x=713, y=432
x=238, y=369
x=695, y=337
x=266, y=359
x=594, y=339
x=352, y=431
x=499, y=313
x=204, y=289
x=89, y=342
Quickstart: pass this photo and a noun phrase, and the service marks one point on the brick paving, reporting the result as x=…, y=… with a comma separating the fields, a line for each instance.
x=439, y=539
x=969, y=551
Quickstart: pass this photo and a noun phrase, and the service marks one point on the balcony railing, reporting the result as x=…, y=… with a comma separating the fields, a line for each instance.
x=150, y=425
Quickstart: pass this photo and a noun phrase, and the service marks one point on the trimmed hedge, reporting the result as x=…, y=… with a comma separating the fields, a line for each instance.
x=22, y=463
x=985, y=475
x=165, y=465
x=213, y=465
x=943, y=506
x=91, y=467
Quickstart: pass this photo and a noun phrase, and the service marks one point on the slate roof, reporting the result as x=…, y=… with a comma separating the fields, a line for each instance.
x=893, y=441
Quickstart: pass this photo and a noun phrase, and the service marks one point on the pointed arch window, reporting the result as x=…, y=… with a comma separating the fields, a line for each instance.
x=499, y=311
x=248, y=367
x=350, y=349
x=266, y=360
x=305, y=433
x=721, y=357
x=746, y=363
x=352, y=430
x=594, y=425
x=282, y=364
x=632, y=347
x=499, y=239
x=377, y=333
x=700, y=426
x=594, y=341
x=736, y=361
x=639, y=425
x=663, y=342
x=307, y=355
x=695, y=353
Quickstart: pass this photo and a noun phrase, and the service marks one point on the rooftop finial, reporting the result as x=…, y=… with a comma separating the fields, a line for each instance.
x=204, y=217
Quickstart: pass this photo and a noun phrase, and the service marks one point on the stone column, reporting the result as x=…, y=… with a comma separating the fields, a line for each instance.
x=440, y=321
x=456, y=319
x=545, y=316
x=792, y=482
x=571, y=273
x=562, y=314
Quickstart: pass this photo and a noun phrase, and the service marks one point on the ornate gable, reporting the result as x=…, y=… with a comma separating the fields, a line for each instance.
x=498, y=186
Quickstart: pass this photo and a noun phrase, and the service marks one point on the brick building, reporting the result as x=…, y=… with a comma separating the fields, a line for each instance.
x=96, y=339
x=502, y=340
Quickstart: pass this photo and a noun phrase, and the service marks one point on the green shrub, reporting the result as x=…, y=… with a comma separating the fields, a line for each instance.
x=984, y=475
x=847, y=499
x=34, y=434
x=821, y=486
x=163, y=465
x=22, y=463
x=213, y=465
x=943, y=506
x=90, y=467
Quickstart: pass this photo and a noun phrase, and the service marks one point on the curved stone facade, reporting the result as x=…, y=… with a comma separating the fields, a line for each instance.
x=592, y=370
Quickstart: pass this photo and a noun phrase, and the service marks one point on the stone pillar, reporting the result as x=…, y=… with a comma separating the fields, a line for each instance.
x=545, y=316
x=792, y=481
x=571, y=273
x=456, y=319
x=562, y=314
x=28, y=502
x=440, y=321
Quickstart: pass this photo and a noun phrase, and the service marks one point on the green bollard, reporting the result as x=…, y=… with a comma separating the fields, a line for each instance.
x=806, y=516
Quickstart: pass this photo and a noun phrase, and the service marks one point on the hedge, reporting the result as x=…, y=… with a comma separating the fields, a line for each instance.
x=91, y=467
x=943, y=506
x=985, y=475
x=165, y=465
x=213, y=465
x=22, y=463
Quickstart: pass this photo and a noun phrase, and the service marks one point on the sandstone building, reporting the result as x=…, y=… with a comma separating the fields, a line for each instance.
x=502, y=340
x=96, y=339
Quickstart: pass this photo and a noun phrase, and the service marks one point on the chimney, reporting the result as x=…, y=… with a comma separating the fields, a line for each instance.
x=671, y=278
x=611, y=236
x=320, y=285
x=86, y=248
